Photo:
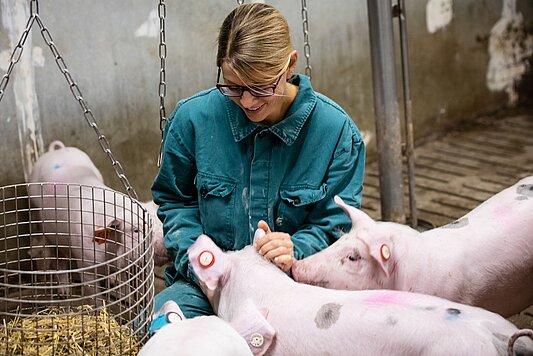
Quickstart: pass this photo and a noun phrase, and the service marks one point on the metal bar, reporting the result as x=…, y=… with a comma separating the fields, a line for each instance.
x=388, y=129
x=409, y=136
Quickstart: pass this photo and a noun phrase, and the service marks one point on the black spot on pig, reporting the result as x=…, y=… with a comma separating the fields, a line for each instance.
x=525, y=190
x=327, y=315
x=457, y=224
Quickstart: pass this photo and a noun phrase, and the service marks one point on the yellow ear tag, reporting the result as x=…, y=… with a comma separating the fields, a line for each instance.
x=385, y=252
x=206, y=259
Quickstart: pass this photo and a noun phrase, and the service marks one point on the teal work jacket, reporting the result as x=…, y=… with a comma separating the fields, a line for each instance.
x=221, y=173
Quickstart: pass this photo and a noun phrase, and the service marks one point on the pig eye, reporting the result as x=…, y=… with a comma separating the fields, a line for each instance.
x=355, y=256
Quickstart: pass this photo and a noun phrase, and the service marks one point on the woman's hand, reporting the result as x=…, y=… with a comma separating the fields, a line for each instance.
x=277, y=247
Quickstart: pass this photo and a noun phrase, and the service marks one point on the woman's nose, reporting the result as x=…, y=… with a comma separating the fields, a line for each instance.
x=247, y=99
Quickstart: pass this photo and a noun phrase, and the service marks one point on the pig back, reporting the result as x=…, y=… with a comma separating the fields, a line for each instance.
x=62, y=164
x=314, y=320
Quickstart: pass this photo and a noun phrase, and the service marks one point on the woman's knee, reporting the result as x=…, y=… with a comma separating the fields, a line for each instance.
x=188, y=296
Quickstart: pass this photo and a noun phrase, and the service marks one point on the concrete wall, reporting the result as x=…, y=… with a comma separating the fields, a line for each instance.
x=111, y=50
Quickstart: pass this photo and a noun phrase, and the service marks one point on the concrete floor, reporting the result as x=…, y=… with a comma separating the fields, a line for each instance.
x=456, y=173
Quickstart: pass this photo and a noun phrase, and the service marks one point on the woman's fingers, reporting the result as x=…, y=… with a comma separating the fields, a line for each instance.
x=277, y=252
x=284, y=262
x=271, y=242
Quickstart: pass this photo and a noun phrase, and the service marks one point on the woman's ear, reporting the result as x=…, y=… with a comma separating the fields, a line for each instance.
x=292, y=64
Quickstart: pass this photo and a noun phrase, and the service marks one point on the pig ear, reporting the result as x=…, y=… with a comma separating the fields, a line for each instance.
x=251, y=324
x=206, y=242
x=382, y=254
x=111, y=232
x=208, y=261
x=358, y=217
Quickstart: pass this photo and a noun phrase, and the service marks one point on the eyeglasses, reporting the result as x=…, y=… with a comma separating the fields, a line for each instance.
x=238, y=90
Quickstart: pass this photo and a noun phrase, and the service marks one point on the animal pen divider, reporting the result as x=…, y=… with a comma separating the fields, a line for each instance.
x=76, y=270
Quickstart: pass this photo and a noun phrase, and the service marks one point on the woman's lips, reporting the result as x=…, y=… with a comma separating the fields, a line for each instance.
x=255, y=109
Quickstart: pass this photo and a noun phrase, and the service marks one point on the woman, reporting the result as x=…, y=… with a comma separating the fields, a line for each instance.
x=260, y=150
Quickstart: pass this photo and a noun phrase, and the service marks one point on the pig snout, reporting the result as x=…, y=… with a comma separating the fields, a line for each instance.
x=161, y=255
x=304, y=272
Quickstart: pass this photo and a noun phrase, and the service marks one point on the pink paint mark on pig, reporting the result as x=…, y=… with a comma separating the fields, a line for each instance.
x=386, y=298
x=309, y=320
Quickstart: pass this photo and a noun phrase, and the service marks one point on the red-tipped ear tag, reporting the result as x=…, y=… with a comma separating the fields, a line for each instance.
x=385, y=252
x=206, y=259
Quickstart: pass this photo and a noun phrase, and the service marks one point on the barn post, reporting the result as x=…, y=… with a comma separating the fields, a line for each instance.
x=386, y=110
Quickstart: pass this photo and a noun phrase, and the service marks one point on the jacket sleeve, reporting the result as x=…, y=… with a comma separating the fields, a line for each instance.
x=175, y=193
x=344, y=177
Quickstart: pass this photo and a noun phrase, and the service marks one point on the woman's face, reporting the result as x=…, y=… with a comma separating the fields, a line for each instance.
x=261, y=110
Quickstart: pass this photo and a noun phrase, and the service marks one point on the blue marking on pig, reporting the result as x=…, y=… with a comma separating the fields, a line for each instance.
x=452, y=313
x=457, y=224
x=56, y=166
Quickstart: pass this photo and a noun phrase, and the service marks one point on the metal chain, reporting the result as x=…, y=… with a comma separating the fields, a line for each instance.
x=162, y=10
x=307, y=47
x=76, y=92
x=87, y=113
x=17, y=53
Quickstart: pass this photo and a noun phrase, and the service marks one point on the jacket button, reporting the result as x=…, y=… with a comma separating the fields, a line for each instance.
x=203, y=192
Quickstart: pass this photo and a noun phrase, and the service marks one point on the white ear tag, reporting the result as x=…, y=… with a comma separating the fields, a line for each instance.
x=206, y=259
x=385, y=252
x=256, y=340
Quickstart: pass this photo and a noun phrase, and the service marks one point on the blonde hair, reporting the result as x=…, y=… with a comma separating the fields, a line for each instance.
x=254, y=41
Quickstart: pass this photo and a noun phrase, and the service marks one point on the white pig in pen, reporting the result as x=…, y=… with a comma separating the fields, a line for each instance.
x=310, y=320
x=86, y=226
x=483, y=259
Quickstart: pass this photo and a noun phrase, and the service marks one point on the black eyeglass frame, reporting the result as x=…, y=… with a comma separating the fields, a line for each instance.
x=257, y=91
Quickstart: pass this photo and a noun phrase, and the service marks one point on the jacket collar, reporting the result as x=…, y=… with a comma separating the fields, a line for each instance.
x=288, y=128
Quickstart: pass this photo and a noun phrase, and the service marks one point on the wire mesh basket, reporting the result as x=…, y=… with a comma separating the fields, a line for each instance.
x=76, y=271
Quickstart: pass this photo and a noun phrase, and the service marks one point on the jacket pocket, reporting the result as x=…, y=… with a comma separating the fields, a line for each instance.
x=296, y=203
x=217, y=205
